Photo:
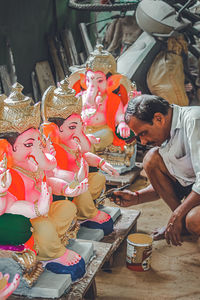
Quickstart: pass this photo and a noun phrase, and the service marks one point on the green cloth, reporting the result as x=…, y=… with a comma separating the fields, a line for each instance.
x=14, y=229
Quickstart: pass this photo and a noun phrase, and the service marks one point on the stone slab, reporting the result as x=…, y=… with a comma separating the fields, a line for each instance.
x=59, y=282
x=84, y=248
x=90, y=234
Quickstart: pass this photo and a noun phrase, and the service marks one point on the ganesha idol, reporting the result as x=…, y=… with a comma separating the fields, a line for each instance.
x=105, y=94
x=62, y=123
x=33, y=229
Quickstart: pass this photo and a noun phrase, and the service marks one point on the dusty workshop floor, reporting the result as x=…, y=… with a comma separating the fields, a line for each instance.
x=175, y=272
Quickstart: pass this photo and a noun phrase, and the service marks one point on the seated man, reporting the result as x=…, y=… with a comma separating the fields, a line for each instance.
x=172, y=165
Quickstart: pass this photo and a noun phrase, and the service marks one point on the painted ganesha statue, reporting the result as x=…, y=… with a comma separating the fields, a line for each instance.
x=62, y=123
x=105, y=94
x=34, y=230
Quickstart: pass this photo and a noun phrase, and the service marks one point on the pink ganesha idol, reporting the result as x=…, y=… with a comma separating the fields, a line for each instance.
x=63, y=124
x=105, y=94
x=30, y=193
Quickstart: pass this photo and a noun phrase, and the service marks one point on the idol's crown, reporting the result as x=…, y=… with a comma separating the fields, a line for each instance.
x=60, y=102
x=101, y=60
x=18, y=112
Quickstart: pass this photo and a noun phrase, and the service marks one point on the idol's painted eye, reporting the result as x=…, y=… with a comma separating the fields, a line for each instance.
x=72, y=127
x=28, y=145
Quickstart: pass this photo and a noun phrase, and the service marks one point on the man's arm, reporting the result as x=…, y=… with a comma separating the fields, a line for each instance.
x=174, y=227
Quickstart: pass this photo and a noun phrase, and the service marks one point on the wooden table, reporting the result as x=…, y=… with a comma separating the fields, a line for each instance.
x=125, y=224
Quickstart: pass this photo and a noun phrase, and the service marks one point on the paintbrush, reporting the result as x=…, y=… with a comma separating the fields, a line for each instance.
x=110, y=192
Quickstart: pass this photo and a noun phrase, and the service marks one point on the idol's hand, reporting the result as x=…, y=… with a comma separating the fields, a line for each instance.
x=44, y=200
x=107, y=168
x=93, y=139
x=75, y=188
x=123, y=130
x=5, y=180
x=6, y=289
x=83, y=171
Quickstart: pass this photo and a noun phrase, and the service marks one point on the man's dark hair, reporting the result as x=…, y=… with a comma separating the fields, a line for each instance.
x=144, y=107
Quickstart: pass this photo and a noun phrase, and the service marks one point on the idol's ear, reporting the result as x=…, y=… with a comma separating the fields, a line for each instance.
x=113, y=82
x=83, y=81
x=77, y=80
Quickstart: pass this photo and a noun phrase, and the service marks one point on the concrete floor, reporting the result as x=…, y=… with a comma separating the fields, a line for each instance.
x=175, y=271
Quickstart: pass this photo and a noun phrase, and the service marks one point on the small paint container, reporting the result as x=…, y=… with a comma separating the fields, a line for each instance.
x=139, y=250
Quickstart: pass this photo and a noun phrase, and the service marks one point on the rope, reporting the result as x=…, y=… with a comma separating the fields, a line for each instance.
x=103, y=7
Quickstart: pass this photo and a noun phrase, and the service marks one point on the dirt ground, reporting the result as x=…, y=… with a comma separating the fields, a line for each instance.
x=174, y=272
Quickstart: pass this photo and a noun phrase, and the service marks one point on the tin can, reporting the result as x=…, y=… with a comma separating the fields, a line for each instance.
x=139, y=251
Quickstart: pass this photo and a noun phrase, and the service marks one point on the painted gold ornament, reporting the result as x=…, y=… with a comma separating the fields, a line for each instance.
x=60, y=102
x=101, y=60
x=18, y=112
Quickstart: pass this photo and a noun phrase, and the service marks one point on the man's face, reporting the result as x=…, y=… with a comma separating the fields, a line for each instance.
x=152, y=135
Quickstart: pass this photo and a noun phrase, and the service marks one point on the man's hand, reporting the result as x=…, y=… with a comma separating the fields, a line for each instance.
x=173, y=230
x=125, y=198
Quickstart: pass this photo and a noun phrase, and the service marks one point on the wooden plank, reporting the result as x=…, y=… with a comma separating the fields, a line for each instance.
x=69, y=46
x=86, y=284
x=35, y=87
x=125, y=223
x=62, y=55
x=5, y=80
x=55, y=59
x=44, y=75
x=73, y=47
x=11, y=66
x=85, y=37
